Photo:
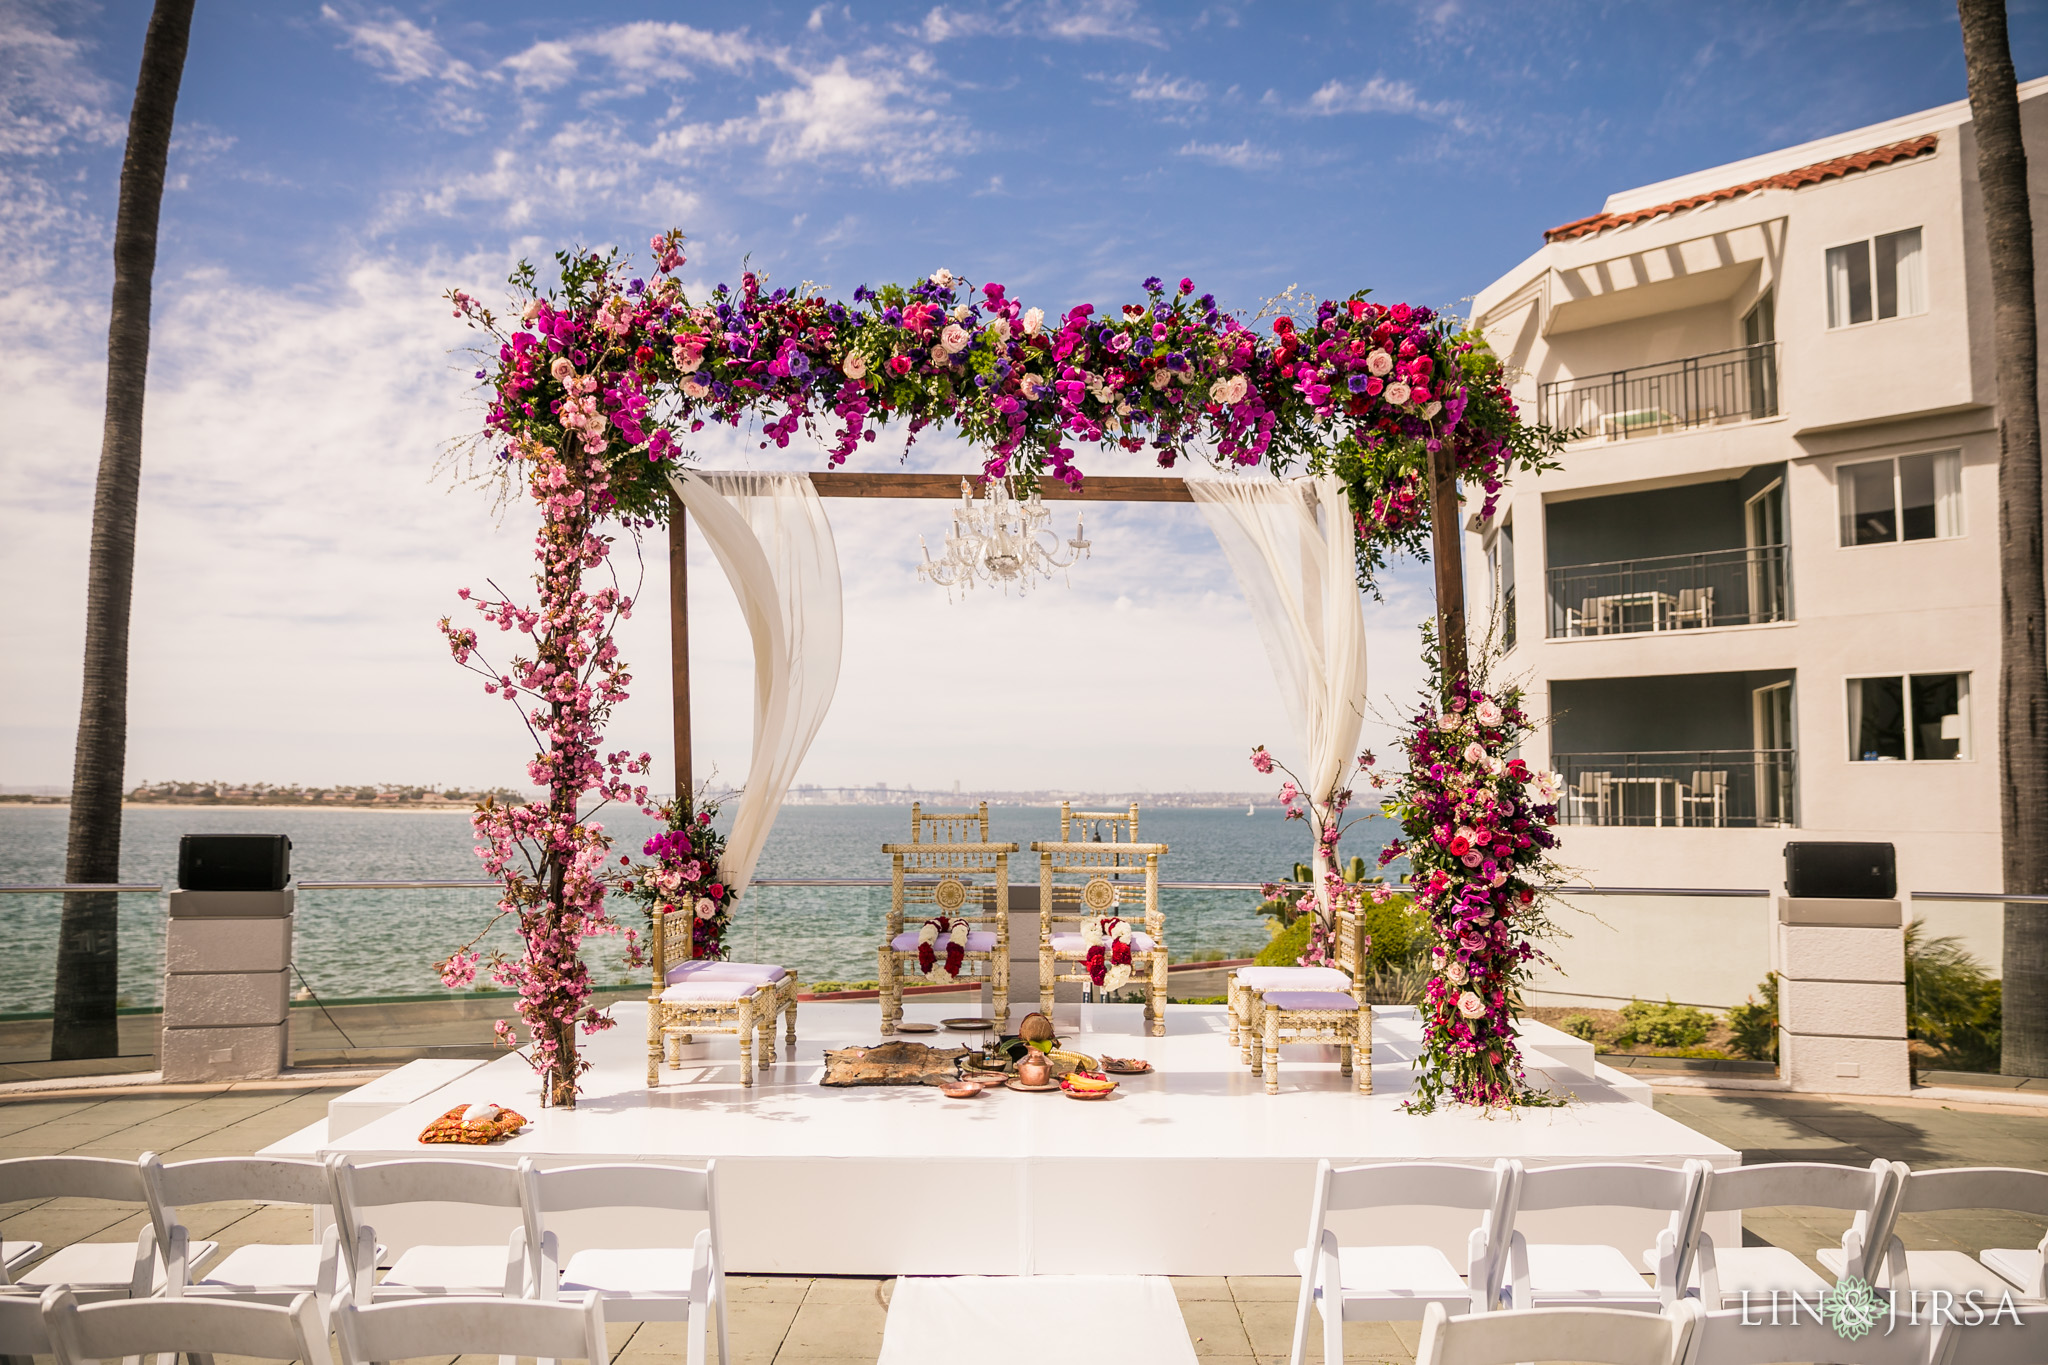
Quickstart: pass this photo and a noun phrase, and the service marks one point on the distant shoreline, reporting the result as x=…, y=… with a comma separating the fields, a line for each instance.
x=444, y=807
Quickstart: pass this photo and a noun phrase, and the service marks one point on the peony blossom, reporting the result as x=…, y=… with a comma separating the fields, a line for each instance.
x=1470, y=1005
x=1398, y=393
x=954, y=338
x=1475, y=755
x=943, y=278
x=1488, y=712
x=1034, y=321
x=1001, y=327
x=1380, y=363
x=1229, y=389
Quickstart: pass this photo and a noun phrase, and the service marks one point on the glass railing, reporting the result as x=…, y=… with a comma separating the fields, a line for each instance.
x=1741, y=587
x=1700, y=788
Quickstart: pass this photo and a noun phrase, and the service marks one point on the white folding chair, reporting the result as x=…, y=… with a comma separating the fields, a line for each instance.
x=125, y=1330
x=2006, y=1189
x=1608, y=1336
x=2003, y=1343
x=264, y=1272
x=1546, y=1275
x=1728, y=1336
x=1397, y=1283
x=470, y=1327
x=22, y=1335
x=101, y=1270
x=643, y=1284
x=1720, y=1275
x=505, y=1270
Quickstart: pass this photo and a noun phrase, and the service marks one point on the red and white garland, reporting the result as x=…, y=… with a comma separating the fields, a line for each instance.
x=955, y=932
x=1109, y=950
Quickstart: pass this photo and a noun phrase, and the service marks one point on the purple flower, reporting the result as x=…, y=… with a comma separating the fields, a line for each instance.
x=1357, y=382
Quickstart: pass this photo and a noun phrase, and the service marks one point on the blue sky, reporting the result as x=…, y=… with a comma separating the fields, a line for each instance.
x=338, y=164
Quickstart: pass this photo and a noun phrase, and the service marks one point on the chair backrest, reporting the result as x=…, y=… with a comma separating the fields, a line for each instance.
x=1869, y=1191
x=126, y=1328
x=2003, y=1342
x=1488, y=1191
x=1067, y=870
x=240, y=1179
x=416, y=1180
x=2012, y=1189
x=471, y=1327
x=1098, y=826
x=1627, y=1185
x=1735, y=1336
x=619, y=1185
x=948, y=827
x=81, y=1177
x=1609, y=1336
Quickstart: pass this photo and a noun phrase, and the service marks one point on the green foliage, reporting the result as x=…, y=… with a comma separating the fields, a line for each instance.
x=1288, y=945
x=1666, y=1025
x=1753, y=1025
x=1580, y=1026
x=1952, y=1003
x=1399, y=935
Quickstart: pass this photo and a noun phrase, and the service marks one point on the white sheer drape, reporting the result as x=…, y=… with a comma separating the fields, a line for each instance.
x=772, y=539
x=1291, y=545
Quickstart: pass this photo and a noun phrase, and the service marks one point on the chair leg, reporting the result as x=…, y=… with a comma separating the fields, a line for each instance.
x=653, y=1044
x=1230, y=1008
x=892, y=990
x=1047, y=968
x=789, y=1018
x=1344, y=1051
x=1333, y=1325
x=1155, y=998
x=1272, y=1051
x=695, y=1335
x=746, y=1032
x=1364, y=1047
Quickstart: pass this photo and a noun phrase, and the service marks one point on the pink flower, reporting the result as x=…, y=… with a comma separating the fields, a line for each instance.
x=1397, y=393
x=954, y=338
x=1262, y=760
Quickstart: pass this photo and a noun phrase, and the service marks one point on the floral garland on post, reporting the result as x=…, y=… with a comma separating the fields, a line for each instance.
x=954, y=930
x=1327, y=818
x=1476, y=830
x=1108, y=959
x=549, y=855
x=684, y=875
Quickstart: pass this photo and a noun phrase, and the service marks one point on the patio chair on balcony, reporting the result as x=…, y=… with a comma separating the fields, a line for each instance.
x=1588, y=802
x=1695, y=607
x=1705, y=801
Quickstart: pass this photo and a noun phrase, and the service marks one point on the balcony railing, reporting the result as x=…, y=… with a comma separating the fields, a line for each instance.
x=1742, y=587
x=1698, y=788
x=1699, y=391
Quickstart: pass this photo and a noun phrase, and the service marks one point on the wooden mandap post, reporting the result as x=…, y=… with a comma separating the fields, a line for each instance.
x=679, y=639
x=1447, y=550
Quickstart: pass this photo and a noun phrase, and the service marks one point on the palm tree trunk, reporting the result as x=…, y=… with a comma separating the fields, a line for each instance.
x=88, y=940
x=2023, y=646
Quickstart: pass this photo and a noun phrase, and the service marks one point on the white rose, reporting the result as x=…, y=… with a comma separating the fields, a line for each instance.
x=1229, y=389
x=943, y=278
x=1380, y=363
x=1474, y=754
x=1470, y=1005
x=960, y=313
x=531, y=311
x=1397, y=393
x=855, y=366
x=954, y=338
x=1034, y=321
x=707, y=908
x=1001, y=327
x=1456, y=974
x=1489, y=713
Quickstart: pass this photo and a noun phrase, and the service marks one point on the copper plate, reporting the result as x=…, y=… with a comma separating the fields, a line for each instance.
x=969, y=1025
x=1090, y=1094
x=960, y=1090
x=1127, y=1066
x=1016, y=1084
x=917, y=1028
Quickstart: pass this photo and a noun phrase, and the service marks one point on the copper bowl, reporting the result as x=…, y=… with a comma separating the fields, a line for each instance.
x=960, y=1090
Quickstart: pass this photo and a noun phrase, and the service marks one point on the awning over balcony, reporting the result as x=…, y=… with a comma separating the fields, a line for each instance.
x=1661, y=279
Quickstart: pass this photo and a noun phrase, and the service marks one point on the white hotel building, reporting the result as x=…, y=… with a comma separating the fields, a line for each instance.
x=1760, y=599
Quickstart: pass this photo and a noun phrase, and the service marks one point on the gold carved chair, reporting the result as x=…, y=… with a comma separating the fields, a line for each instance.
x=1304, y=1013
x=701, y=995
x=1244, y=985
x=948, y=871
x=1097, y=871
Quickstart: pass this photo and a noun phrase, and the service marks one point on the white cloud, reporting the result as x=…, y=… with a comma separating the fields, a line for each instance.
x=1169, y=89
x=644, y=52
x=399, y=49
x=1072, y=20
x=1377, y=96
x=1241, y=156
x=874, y=119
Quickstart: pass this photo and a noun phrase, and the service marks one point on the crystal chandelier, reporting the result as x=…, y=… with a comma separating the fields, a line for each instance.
x=998, y=540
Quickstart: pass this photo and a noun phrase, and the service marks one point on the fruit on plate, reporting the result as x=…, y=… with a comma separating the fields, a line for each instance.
x=1088, y=1081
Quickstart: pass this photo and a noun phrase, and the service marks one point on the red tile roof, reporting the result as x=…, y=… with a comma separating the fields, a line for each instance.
x=1788, y=180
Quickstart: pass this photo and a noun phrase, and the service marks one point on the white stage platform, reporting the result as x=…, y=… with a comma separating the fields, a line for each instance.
x=1193, y=1170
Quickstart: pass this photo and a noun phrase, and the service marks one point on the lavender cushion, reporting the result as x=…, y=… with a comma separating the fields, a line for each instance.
x=978, y=941
x=1309, y=1000
x=1141, y=942
x=705, y=970
x=684, y=992
x=1293, y=979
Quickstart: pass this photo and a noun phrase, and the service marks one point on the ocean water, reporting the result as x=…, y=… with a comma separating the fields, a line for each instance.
x=351, y=944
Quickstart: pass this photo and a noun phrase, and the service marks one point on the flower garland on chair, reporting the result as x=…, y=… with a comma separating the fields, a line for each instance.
x=954, y=930
x=684, y=875
x=1108, y=958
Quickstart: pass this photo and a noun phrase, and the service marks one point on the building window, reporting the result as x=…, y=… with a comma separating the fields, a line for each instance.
x=1914, y=497
x=1879, y=277
x=1500, y=575
x=1923, y=716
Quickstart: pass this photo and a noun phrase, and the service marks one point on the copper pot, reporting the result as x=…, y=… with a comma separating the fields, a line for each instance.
x=1032, y=1069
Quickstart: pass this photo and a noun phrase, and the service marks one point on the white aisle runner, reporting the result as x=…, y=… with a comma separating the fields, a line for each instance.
x=1036, y=1320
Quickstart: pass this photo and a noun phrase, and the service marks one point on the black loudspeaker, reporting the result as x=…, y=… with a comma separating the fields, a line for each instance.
x=234, y=862
x=1827, y=871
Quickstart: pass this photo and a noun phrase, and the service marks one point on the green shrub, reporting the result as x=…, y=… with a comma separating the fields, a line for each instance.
x=1400, y=936
x=1753, y=1025
x=1580, y=1026
x=1952, y=1004
x=1288, y=944
x=1667, y=1025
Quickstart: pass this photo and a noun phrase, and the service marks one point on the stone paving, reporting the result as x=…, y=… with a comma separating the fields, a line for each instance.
x=794, y=1320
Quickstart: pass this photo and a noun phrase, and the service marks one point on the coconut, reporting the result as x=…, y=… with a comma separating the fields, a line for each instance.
x=1036, y=1028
